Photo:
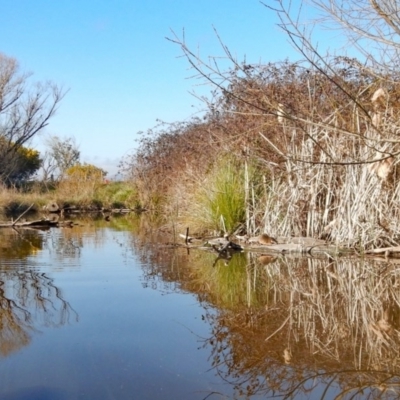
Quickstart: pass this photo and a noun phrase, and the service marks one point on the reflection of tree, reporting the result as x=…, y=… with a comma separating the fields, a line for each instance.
x=19, y=244
x=292, y=326
x=29, y=300
x=67, y=244
x=14, y=325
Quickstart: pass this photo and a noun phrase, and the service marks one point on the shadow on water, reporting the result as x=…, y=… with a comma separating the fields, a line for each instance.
x=291, y=327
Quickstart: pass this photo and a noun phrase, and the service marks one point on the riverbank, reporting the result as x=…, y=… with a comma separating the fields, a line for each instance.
x=108, y=196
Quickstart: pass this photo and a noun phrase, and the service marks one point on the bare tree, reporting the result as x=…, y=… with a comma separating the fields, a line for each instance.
x=25, y=110
x=354, y=113
x=61, y=155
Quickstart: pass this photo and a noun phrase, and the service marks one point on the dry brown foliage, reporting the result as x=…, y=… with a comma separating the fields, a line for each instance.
x=325, y=141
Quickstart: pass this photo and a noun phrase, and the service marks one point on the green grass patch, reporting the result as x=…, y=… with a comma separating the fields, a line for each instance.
x=117, y=195
x=220, y=201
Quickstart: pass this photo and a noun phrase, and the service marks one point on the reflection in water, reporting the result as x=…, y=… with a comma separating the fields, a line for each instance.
x=279, y=325
x=29, y=299
x=67, y=244
x=15, y=244
x=293, y=327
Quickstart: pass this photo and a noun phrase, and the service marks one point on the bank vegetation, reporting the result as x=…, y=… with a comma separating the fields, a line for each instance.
x=291, y=148
x=307, y=148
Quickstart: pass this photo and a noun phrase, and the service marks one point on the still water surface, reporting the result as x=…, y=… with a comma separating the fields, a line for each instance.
x=97, y=312
x=80, y=321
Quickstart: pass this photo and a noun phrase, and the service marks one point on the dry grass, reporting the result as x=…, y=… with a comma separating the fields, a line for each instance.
x=82, y=194
x=348, y=202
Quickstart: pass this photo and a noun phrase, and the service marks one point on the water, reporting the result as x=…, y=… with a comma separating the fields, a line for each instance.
x=86, y=326
x=105, y=311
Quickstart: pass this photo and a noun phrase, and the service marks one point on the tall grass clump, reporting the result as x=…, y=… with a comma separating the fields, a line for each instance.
x=219, y=201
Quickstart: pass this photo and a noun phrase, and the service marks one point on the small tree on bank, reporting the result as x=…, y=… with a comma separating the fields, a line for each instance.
x=61, y=155
x=85, y=173
x=25, y=110
x=25, y=163
x=81, y=181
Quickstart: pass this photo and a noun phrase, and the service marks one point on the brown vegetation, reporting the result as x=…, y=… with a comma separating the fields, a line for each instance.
x=326, y=167
x=322, y=134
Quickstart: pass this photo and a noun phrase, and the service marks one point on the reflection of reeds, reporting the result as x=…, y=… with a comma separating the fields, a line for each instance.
x=291, y=325
x=346, y=314
x=345, y=310
x=342, y=317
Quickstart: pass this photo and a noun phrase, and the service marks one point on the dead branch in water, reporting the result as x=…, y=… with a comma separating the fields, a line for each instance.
x=41, y=223
x=23, y=214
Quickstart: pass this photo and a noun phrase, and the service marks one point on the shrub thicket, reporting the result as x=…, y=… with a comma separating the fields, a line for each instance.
x=323, y=143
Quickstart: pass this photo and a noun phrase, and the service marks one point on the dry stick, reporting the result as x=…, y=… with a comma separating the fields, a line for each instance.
x=187, y=236
x=22, y=214
x=23, y=238
x=246, y=196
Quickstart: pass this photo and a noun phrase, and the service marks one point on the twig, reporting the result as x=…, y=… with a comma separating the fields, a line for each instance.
x=14, y=222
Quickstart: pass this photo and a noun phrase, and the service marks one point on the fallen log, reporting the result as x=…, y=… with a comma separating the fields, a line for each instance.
x=294, y=248
x=41, y=223
x=284, y=245
x=14, y=222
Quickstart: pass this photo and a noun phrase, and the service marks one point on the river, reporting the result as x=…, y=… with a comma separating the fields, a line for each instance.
x=113, y=310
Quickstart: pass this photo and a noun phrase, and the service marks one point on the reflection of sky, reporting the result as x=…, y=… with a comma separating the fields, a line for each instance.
x=129, y=342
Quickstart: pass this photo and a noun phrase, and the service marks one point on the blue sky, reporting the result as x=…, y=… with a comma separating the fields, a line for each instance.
x=121, y=72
